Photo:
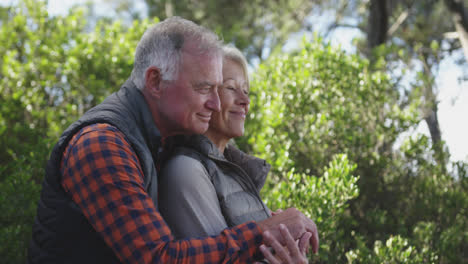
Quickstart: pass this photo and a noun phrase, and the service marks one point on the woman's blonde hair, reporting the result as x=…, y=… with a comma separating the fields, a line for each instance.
x=233, y=53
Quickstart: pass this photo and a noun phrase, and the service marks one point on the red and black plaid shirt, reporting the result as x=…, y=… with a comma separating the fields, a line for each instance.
x=102, y=175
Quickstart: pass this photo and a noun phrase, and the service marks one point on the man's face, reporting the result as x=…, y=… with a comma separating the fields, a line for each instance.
x=186, y=104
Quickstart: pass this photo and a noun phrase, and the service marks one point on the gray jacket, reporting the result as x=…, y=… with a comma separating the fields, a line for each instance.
x=208, y=191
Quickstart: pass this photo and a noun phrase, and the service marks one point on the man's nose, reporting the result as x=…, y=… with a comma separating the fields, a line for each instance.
x=213, y=103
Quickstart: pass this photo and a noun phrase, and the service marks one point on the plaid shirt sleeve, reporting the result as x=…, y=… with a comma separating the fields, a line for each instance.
x=102, y=175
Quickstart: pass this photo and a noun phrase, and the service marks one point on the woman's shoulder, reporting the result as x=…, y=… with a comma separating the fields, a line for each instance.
x=183, y=161
x=190, y=143
x=184, y=170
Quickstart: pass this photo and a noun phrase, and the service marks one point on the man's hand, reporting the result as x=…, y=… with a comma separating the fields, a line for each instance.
x=291, y=254
x=295, y=222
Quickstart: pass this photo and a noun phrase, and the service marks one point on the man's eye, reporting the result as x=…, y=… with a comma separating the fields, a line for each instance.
x=204, y=90
x=231, y=88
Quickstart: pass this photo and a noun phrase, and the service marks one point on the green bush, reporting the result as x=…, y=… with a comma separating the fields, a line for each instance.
x=395, y=250
x=18, y=201
x=317, y=102
x=323, y=199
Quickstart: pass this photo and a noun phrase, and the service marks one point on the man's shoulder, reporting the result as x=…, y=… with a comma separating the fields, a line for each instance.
x=102, y=130
x=94, y=137
x=99, y=127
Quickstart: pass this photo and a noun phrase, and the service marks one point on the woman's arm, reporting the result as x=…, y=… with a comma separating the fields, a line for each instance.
x=188, y=200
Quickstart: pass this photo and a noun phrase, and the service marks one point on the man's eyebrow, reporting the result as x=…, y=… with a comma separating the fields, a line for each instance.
x=204, y=84
x=227, y=79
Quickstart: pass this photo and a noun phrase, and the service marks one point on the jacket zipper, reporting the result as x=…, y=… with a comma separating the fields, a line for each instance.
x=246, y=180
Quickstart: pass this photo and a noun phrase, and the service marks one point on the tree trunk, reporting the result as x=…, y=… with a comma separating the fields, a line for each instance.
x=430, y=114
x=377, y=23
x=460, y=19
x=169, y=9
x=433, y=123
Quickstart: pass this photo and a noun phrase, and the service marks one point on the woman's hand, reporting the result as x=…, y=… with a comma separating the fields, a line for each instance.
x=291, y=253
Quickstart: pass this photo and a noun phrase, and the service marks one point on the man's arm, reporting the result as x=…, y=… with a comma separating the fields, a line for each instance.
x=103, y=176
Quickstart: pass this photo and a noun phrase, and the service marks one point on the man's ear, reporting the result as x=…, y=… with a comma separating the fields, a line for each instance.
x=153, y=81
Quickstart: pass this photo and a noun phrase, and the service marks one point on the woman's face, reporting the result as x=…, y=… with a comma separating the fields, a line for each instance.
x=234, y=97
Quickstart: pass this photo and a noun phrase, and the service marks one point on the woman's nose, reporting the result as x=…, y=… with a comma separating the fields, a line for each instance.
x=243, y=98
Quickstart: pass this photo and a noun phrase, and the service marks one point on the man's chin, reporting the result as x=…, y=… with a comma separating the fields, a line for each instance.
x=199, y=129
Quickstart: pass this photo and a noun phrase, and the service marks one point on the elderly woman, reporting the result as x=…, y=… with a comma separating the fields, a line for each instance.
x=217, y=185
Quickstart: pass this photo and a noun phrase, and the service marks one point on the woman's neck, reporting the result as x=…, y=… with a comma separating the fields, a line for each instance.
x=219, y=140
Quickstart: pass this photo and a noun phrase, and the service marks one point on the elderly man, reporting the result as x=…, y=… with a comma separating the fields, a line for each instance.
x=99, y=196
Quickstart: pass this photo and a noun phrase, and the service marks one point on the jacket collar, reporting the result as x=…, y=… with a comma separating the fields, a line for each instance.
x=256, y=168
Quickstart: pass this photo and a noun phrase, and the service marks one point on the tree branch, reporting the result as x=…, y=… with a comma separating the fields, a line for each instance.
x=460, y=19
x=403, y=16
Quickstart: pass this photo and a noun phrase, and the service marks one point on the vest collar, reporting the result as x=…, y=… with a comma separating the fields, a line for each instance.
x=141, y=113
x=256, y=168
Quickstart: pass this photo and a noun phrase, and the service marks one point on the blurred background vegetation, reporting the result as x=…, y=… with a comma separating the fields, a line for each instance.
x=336, y=126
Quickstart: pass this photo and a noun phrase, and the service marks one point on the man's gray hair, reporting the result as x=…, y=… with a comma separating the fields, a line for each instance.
x=162, y=46
x=234, y=54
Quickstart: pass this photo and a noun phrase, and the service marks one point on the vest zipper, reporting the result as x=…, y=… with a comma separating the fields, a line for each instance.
x=246, y=179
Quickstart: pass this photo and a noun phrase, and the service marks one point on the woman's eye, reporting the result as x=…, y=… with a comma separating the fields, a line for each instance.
x=231, y=88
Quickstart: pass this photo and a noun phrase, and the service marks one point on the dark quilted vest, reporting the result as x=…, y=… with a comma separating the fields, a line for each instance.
x=61, y=233
x=236, y=176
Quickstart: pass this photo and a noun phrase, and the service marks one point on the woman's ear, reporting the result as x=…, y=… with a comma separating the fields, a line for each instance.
x=153, y=82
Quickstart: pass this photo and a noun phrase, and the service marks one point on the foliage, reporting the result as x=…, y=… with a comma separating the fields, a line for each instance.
x=409, y=40
x=395, y=250
x=318, y=115
x=320, y=198
x=317, y=102
x=18, y=206
x=253, y=26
